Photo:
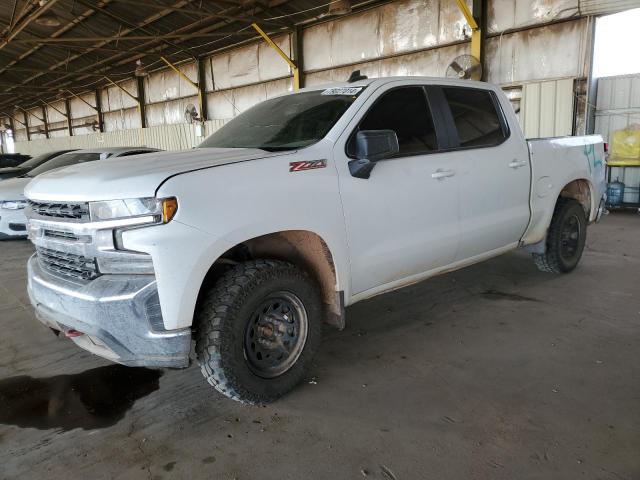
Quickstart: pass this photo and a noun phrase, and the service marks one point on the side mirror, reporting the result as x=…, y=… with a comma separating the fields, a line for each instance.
x=372, y=146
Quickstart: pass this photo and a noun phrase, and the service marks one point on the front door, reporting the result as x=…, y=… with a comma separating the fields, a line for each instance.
x=403, y=220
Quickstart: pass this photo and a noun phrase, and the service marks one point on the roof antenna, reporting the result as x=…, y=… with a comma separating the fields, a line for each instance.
x=355, y=76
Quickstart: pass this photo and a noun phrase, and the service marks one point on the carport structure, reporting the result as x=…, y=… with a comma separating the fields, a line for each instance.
x=58, y=49
x=84, y=73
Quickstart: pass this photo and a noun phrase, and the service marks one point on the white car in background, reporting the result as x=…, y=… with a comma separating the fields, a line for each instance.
x=13, y=223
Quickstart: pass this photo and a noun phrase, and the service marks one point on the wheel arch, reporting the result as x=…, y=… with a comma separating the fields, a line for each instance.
x=581, y=190
x=303, y=248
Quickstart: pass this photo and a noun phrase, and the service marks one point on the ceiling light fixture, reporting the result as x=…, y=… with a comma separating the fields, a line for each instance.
x=141, y=70
x=339, y=7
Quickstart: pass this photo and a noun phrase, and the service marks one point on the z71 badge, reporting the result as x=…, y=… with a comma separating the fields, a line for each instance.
x=307, y=165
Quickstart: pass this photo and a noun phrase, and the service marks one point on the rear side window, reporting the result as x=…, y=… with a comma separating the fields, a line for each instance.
x=405, y=111
x=476, y=117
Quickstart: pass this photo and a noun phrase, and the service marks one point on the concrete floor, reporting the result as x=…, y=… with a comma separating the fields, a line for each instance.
x=496, y=371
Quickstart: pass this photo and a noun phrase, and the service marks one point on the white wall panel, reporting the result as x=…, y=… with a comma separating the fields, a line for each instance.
x=598, y=7
x=429, y=63
x=395, y=28
x=121, y=119
x=166, y=137
x=168, y=84
x=79, y=108
x=410, y=26
x=547, y=108
x=58, y=129
x=253, y=63
x=115, y=99
x=537, y=54
x=508, y=14
x=617, y=104
x=224, y=105
x=54, y=116
x=169, y=112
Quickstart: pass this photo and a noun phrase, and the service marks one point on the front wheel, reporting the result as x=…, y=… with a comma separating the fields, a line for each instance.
x=258, y=330
x=565, y=239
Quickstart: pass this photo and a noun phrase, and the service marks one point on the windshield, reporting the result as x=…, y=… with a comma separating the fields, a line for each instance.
x=286, y=123
x=63, y=161
x=35, y=161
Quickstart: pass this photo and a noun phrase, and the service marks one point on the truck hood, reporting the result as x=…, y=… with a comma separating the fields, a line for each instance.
x=131, y=176
x=13, y=189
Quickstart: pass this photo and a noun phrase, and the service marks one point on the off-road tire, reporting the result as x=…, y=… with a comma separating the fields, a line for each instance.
x=223, y=313
x=552, y=260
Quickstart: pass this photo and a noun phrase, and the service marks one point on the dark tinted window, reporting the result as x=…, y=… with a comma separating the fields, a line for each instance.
x=64, y=161
x=135, y=152
x=405, y=111
x=286, y=123
x=475, y=115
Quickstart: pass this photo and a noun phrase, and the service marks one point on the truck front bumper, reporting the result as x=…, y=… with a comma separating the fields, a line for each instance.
x=117, y=317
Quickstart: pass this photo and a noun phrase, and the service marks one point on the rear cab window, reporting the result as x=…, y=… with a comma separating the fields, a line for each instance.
x=477, y=117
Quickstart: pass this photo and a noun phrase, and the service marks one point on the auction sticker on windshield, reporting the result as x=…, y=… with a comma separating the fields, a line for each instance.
x=342, y=91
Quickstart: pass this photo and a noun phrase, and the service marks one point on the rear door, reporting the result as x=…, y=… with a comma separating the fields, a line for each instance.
x=493, y=170
x=403, y=220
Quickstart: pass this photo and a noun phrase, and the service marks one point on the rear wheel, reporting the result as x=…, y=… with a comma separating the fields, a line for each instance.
x=258, y=330
x=565, y=239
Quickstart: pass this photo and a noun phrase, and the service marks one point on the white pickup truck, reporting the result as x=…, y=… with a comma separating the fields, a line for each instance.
x=300, y=206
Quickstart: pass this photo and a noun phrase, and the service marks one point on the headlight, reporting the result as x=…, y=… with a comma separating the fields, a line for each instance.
x=13, y=205
x=162, y=210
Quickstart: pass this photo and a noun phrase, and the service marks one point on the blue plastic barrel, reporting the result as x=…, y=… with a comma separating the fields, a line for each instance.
x=615, y=193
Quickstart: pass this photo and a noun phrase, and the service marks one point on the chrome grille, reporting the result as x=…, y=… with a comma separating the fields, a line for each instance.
x=67, y=264
x=60, y=210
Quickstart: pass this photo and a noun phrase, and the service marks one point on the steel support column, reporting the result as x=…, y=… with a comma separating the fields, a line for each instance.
x=99, y=111
x=45, y=120
x=67, y=107
x=202, y=88
x=141, y=102
x=296, y=53
x=26, y=124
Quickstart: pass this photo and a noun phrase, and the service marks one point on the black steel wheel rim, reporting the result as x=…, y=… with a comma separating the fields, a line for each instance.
x=570, y=238
x=275, y=335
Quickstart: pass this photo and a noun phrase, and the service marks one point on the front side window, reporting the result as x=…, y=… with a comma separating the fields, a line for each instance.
x=405, y=111
x=286, y=123
x=475, y=116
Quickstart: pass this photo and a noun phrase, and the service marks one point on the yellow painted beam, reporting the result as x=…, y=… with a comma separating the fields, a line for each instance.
x=272, y=44
x=475, y=28
x=462, y=5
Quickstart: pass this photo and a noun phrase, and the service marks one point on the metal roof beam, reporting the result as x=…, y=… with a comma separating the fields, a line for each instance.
x=20, y=26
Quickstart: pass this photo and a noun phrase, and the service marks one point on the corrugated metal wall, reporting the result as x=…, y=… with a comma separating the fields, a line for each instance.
x=596, y=7
x=618, y=103
x=167, y=137
x=547, y=109
x=405, y=37
x=618, y=106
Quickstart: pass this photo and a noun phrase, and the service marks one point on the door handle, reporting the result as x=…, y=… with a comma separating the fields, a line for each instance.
x=440, y=174
x=518, y=163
